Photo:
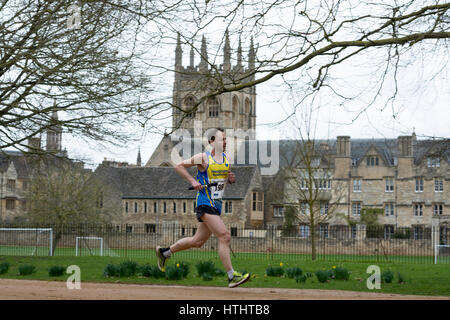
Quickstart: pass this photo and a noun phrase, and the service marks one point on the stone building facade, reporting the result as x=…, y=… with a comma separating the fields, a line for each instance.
x=408, y=179
x=16, y=170
x=159, y=196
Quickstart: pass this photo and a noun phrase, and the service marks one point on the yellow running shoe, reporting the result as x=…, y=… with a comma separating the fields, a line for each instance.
x=161, y=259
x=238, y=279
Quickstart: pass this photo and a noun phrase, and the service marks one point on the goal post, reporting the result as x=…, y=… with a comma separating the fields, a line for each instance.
x=88, y=243
x=26, y=241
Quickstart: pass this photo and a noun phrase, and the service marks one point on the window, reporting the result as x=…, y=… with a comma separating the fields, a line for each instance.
x=389, y=209
x=438, y=209
x=233, y=232
x=353, y=231
x=100, y=200
x=145, y=207
x=155, y=207
x=10, y=204
x=315, y=162
x=184, y=207
x=433, y=162
x=188, y=106
x=213, y=107
x=418, y=209
x=438, y=185
x=304, y=231
x=25, y=185
x=235, y=107
x=389, y=185
x=419, y=184
x=388, y=232
x=135, y=207
x=183, y=231
x=304, y=208
x=126, y=207
x=174, y=207
x=418, y=232
x=11, y=185
x=324, y=184
x=324, y=208
x=257, y=203
x=228, y=207
x=193, y=206
x=303, y=185
x=164, y=207
x=278, y=211
x=356, y=185
x=372, y=161
x=355, y=162
x=194, y=230
x=356, y=208
x=24, y=204
x=150, y=228
x=129, y=229
x=323, y=230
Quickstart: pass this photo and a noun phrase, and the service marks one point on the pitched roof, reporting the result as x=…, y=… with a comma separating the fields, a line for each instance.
x=387, y=148
x=166, y=183
x=7, y=157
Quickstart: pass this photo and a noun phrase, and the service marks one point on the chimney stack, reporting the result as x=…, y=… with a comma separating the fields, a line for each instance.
x=343, y=147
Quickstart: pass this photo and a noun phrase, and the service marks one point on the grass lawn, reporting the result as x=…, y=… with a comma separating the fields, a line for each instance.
x=421, y=279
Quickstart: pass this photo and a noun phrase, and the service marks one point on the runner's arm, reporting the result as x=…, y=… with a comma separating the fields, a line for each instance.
x=199, y=161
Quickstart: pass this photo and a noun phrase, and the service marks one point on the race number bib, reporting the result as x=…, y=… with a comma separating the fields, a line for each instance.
x=217, y=191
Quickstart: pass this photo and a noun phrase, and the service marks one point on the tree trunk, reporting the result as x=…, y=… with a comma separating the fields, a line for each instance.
x=58, y=235
x=313, y=242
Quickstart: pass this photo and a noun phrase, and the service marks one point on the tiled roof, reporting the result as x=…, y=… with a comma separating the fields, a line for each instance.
x=166, y=183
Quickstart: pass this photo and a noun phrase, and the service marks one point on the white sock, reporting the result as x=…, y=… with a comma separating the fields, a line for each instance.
x=230, y=274
x=167, y=253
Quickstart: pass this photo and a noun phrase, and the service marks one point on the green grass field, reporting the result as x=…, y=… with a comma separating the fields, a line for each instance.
x=421, y=279
x=200, y=254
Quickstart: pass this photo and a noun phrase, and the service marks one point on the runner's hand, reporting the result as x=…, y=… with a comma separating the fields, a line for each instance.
x=231, y=177
x=197, y=185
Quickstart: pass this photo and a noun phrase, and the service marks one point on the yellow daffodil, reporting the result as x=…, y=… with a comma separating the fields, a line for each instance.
x=178, y=265
x=281, y=264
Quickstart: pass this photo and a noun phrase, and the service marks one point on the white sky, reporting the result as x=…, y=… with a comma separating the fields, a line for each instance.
x=422, y=103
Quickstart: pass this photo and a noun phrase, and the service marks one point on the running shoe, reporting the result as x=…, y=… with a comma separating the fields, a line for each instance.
x=161, y=259
x=238, y=279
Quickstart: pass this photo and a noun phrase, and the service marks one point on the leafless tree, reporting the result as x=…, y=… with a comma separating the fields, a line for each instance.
x=63, y=193
x=312, y=44
x=87, y=60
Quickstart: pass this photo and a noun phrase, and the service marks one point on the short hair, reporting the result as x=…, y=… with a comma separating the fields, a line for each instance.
x=212, y=135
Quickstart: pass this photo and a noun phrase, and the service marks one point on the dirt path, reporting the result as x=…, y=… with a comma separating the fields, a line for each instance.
x=55, y=290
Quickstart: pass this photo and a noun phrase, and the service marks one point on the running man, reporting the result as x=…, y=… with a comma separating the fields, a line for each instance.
x=213, y=167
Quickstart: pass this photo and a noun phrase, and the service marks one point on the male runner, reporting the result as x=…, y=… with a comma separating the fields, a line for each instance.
x=213, y=167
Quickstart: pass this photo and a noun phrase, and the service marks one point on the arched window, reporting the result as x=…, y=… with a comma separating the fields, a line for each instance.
x=213, y=107
x=188, y=104
x=247, y=106
x=235, y=106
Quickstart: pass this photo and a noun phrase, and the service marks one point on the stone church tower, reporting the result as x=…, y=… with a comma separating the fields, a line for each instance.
x=230, y=110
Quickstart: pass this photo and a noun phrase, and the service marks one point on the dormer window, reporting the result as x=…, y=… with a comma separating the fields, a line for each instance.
x=372, y=161
x=315, y=162
x=433, y=162
x=355, y=162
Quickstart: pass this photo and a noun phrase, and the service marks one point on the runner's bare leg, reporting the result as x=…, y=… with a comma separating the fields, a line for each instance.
x=217, y=227
x=201, y=236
